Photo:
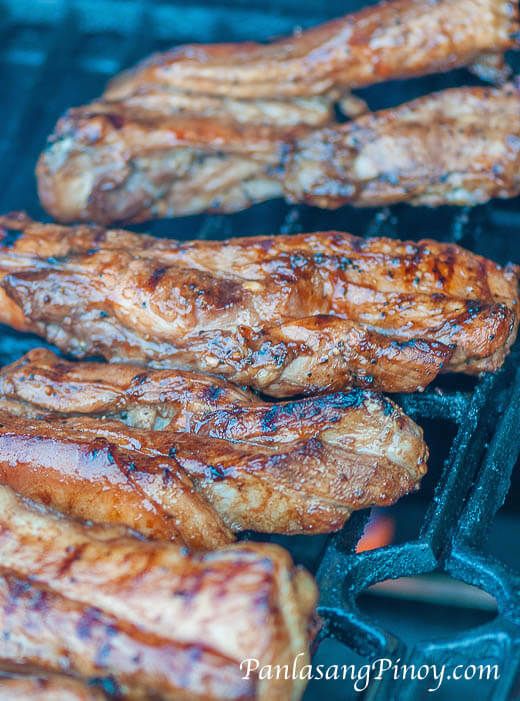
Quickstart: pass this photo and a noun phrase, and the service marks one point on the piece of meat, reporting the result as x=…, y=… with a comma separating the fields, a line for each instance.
x=41, y=384
x=88, y=439
x=390, y=40
x=47, y=688
x=107, y=163
x=89, y=476
x=287, y=315
x=457, y=147
x=154, y=100
x=295, y=81
x=159, y=622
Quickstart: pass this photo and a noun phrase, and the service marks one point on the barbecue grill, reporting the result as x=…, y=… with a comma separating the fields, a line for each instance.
x=59, y=53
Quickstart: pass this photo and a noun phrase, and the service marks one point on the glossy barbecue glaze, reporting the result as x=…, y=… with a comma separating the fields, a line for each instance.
x=160, y=622
x=111, y=163
x=390, y=40
x=458, y=147
x=108, y=162
x=87, y=475
x=287, y=315
x=294, y=467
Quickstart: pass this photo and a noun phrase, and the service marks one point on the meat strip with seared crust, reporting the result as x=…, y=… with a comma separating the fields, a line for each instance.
x=110, y=163
x=160, y=622
x=88, y=475
x=107, y=163
x=99, y=441
x=457, y=147
x=299, y=80
x=287, y=315
x=390, y=40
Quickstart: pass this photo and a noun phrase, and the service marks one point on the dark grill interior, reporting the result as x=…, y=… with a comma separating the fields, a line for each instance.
x=55, y=54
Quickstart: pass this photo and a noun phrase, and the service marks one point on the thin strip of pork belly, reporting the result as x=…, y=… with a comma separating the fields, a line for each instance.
x=160, y=622
x=300, y=466
x=287, y=315
x=389, y=40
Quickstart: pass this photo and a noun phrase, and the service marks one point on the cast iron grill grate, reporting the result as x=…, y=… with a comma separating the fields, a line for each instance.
x=59, y=53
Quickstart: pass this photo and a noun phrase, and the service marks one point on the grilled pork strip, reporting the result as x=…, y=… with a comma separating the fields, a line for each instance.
x=457, y=147
x=160, y=622
x=109, y=481
x=397, y=39
x=300, y=79
x=106, y=163
x=297, y=81
x=295, y=467
x=154, y=100
x=287, y=315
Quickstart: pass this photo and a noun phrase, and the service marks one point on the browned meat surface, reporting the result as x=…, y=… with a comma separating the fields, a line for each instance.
x=41, y=384
x=286, y=314
x=48, y=688
x=395, y=39
x=295, y=467
x=458, y=147
x=298, y=80
x=79, y=471
x=162, y=623
x=107, y=162
x=147, y=100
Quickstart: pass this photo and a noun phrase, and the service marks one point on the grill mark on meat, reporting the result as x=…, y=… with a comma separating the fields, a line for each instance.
x=116, y=120
x=272, y=468
x=156, y=277
x=294, y=315
x=73, y=553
